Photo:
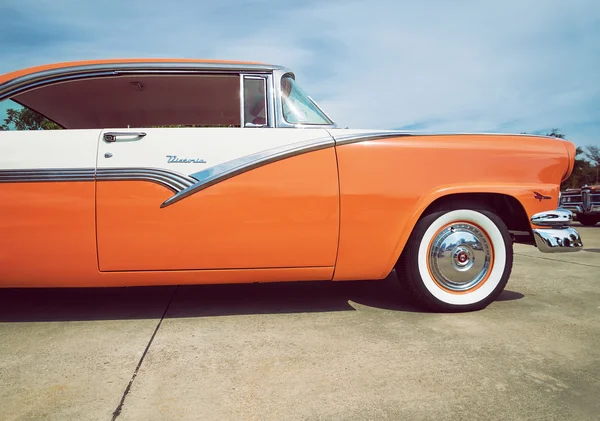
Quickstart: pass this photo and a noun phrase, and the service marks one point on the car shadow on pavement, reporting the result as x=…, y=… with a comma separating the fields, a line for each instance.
x=80, y=304
x=591, y=250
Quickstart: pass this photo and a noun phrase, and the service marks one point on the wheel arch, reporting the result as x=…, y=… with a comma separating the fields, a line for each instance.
x=507, y=206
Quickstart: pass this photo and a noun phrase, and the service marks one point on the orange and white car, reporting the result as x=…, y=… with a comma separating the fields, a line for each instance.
x=196, y=172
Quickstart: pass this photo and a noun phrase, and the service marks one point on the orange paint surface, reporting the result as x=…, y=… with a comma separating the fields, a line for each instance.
x=47, y=235
x=386, y=185
x=48, y=239
x=275, y=223
x=281, y=215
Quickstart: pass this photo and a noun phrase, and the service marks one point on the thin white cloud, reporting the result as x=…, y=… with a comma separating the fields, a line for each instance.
x=463, y=65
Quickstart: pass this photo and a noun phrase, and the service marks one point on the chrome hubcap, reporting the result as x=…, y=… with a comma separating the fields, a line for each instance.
x=460, y=257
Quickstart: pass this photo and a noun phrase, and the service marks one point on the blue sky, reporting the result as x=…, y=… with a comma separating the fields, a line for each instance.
x=463, y=65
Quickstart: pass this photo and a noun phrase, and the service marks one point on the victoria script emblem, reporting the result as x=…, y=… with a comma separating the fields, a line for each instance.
x=174, y=159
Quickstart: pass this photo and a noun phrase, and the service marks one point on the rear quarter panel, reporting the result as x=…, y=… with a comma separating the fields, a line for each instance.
x=387, y=183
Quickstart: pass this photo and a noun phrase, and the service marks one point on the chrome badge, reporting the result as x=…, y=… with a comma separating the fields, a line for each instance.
x=540, y=196
x=174, y=159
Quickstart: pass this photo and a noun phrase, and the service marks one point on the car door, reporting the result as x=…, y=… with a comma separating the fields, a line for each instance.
x=47, y=234
x=216, y=198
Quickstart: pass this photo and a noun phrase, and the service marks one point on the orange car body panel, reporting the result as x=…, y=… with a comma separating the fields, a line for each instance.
x=386, y=184
x=284, y=214
x=275, y=223
x=278, y=222
x=48, y=235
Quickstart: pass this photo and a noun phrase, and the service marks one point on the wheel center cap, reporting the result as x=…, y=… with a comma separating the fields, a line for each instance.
x=462, y=257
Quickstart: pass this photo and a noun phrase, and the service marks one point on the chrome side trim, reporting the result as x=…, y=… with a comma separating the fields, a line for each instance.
x=557, y=240
x=170, y=179
x=221, y=172
x=47, y=174
x=556, y=218
x=347, y=139
x=363, y=137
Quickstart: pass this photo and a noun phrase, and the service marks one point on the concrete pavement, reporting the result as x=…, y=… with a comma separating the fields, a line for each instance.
x=331, y=351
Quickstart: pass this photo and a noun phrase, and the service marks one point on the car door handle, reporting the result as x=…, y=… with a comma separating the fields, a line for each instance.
x=113, y=136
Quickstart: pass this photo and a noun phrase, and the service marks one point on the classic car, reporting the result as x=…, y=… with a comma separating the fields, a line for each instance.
x=163, y=171
x=584, y=203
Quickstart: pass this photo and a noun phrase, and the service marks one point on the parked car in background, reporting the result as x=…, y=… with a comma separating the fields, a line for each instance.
x=584, y=203
x=160, y=172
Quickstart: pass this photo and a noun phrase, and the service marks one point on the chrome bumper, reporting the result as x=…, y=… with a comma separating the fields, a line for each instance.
x=556, y=236
x=572, y=208
x=579, y=208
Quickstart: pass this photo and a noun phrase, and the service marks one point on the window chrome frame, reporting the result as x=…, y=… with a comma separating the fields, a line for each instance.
x=268, y=85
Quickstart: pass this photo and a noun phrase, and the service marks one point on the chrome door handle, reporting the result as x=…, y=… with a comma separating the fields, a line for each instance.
x=112, y=136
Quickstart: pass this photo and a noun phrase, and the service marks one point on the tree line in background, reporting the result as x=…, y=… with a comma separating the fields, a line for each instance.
x=585, y=171
x=26, y=119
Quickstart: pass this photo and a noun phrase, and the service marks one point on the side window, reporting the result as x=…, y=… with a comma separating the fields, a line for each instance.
x=128, y=101
x=255, y=101
x=14, y=116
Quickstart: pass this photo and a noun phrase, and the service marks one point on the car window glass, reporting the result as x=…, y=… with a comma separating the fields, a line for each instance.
x=255, y=102
x=298, y=107
x=129, y=101
x=14, y=116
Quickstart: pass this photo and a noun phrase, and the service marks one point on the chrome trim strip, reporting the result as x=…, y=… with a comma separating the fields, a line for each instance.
x=242, y=100
x=270, y=105
x=347, y=139
x=221, y=172
x=362, y=137
x=46, y=174
x=172, y=180
x=572, y=207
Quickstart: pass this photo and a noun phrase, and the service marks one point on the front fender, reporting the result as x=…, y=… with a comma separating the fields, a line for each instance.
x=387, y=183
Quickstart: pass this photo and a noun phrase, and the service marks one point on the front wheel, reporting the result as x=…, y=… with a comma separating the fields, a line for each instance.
x=457, y=259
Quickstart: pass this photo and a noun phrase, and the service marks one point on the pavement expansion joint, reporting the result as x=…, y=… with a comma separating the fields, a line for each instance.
x=117, y=411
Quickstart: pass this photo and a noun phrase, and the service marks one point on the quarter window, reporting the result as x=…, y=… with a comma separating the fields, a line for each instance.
x=298, y=107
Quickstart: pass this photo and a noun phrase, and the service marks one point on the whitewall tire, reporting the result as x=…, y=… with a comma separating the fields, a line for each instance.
x=457, y=259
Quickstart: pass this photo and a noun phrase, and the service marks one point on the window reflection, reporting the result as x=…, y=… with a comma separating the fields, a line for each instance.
x=298, y=108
